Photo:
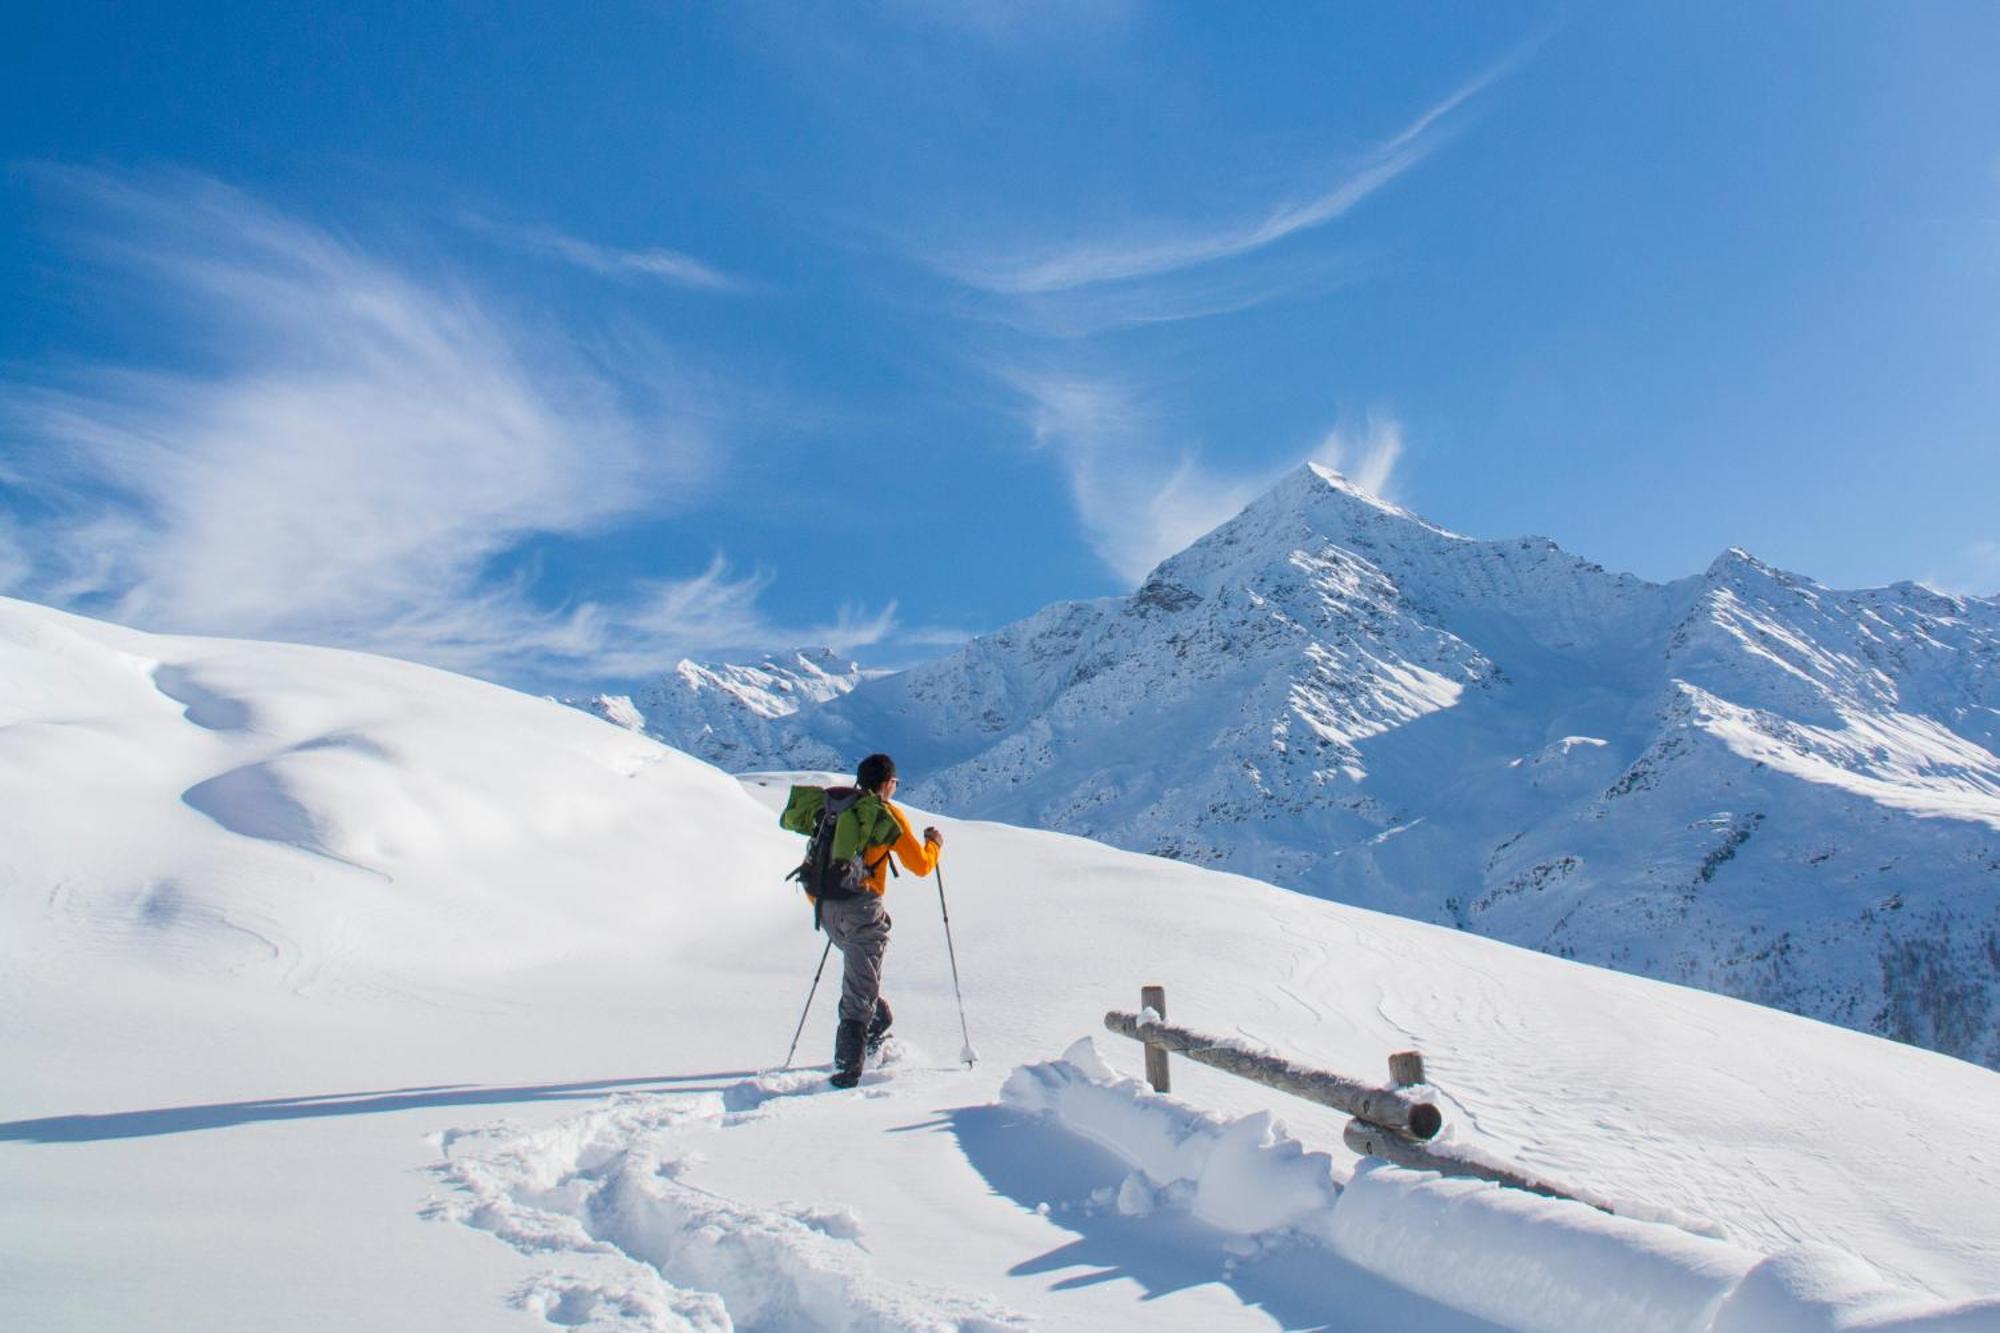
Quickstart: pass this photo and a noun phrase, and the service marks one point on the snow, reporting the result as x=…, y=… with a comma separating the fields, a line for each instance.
x=1529, y=1262
x=1245, y=1176
x=1815, y=1288
x=346, y=993
x=611, y=1180
x=619, y=711
x=725, y=713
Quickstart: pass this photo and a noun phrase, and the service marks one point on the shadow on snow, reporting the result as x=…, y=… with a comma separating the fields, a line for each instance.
x=1301, y=1286
x=221, y=1115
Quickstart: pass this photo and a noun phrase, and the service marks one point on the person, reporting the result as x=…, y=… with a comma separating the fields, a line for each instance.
x=859, y=926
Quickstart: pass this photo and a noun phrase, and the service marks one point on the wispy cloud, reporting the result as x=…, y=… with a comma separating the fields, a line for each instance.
x=1138, y=497
x=1086, y=312
x=1140, y=488
x=1168, y=248
x=657, y=262
x=356, y=455
x=710, y=614
x=1365, y=452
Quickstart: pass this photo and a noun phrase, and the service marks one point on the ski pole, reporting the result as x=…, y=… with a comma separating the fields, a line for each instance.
x=809, y=1004
x=965, y=1053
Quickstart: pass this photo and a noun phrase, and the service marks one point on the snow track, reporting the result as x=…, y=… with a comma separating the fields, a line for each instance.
x=671, y=1211
x=613, y=1182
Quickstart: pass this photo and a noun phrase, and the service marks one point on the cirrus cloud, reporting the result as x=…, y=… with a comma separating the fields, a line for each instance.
x=658, y=262
x=1157, y=249
x=1142, y=496
x=350, y=455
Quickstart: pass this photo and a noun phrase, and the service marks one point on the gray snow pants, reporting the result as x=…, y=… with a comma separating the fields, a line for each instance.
x=859, y=928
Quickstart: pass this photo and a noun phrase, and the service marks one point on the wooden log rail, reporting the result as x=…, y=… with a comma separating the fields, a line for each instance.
x=1388, y=1122
x=1390, y=1107
x=1367, y=1140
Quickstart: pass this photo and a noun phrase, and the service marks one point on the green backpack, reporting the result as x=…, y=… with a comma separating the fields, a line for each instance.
x=842, y=825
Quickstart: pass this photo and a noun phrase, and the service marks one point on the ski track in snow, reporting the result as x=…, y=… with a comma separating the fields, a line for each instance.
x=621, y=1187
x=615, y=1181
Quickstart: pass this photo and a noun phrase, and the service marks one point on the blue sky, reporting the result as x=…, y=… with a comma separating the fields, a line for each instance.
x=554, y=342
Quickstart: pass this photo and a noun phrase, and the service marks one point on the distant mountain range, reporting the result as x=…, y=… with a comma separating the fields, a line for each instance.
x=737, y=716
x=1742, y=780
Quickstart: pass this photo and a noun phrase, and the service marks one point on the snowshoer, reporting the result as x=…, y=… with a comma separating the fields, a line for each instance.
x=846, y=875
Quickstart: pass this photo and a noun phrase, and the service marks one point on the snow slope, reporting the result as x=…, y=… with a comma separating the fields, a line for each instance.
x=1742, y=781
x=327, y=974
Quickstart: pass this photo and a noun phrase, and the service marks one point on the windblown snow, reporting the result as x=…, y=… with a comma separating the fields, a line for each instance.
x=346, y=993
x=1743, y=780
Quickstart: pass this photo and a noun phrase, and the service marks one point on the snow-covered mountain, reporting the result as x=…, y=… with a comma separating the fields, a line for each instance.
x=326, y=974
x=726, y=713
x=1742, y=780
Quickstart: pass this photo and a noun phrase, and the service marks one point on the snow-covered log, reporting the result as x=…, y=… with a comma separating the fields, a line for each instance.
x=1383, y=1106
x=1371, y=1140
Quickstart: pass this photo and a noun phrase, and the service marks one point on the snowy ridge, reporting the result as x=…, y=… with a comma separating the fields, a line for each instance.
x=1742, y=780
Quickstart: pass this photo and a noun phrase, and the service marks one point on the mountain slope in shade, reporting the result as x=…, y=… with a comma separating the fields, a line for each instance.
x=1742, y=780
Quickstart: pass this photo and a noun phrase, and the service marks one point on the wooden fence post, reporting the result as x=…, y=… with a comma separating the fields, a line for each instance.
x=1406, y=1069
x=1155, y=998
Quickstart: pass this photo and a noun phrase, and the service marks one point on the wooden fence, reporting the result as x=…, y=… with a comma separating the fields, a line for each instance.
x=1392, y=1121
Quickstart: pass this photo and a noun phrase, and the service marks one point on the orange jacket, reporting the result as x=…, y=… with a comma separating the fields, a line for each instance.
x=918, y=857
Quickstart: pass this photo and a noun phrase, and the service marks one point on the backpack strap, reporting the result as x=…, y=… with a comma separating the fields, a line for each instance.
x=890, y=846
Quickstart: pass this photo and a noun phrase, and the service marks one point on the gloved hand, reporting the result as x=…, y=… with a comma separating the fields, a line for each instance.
x=931, y=835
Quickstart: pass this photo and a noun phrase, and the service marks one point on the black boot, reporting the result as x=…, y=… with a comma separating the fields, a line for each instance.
x=878, y=1027
x=849, y=1044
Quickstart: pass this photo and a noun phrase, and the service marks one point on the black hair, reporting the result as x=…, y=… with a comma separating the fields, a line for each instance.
x=875, y=771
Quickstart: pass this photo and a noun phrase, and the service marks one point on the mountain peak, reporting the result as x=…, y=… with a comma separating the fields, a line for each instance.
x=1737, y=565
x=1310, y=501
x=1315, y=484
